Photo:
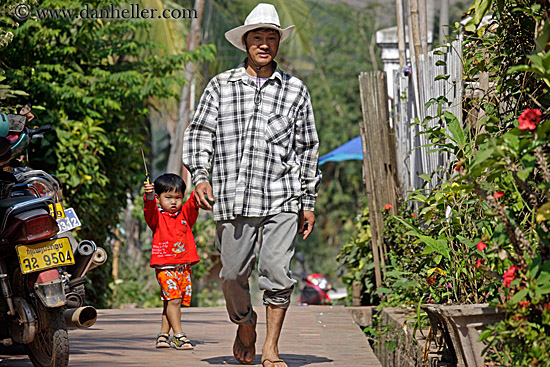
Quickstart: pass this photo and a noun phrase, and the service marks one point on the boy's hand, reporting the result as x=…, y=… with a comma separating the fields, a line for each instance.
x=149, y=188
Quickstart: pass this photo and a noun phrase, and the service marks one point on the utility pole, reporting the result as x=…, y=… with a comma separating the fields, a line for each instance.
x=423, y=25
x=399, y=9
x=443, y=20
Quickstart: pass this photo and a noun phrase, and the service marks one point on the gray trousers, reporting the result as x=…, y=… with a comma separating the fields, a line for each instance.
x=239, y=242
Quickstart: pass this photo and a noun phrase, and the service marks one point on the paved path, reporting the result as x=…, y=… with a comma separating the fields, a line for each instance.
x=313, y=336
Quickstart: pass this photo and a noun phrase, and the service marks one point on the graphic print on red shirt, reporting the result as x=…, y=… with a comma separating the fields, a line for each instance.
x=173, y=241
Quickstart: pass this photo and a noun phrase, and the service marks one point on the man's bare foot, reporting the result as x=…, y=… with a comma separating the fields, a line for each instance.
x=273, y=363
x=244, y=348
x=270, y=356
x=275, y=317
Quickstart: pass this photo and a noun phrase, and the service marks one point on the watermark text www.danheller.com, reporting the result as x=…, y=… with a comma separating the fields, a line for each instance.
x=133, y=11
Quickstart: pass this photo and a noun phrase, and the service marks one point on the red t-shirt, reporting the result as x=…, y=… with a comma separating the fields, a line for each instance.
x=173, y=241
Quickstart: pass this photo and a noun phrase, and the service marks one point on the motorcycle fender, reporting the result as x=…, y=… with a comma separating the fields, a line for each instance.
x=50, y=289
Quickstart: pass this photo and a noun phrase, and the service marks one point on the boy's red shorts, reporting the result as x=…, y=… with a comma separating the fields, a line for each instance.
x=175, y=283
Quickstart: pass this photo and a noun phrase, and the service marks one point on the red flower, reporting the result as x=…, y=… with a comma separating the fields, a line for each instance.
x=498, y=194
x=413, y=215
x=524, y=305
x=529, y=119
x=547, y=306
x=388, y=206
x=479, y=262
x=481, y=246
x=430, y=280
x=518, y=317
x=509, y=276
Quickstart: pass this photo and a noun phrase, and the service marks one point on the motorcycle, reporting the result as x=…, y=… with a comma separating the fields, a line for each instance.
x=316, y=289
x=42, y=267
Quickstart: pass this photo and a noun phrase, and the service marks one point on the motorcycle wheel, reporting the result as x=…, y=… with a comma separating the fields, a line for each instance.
x=50, y=347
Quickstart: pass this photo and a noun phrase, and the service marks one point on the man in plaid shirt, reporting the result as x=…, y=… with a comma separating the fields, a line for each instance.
x=257, y=123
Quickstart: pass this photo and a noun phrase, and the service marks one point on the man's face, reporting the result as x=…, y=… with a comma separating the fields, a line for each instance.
x=170, y=201
x=262, y=46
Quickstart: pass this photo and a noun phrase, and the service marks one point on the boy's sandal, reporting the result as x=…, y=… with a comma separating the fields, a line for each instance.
x=163, y=341
x=180, y=341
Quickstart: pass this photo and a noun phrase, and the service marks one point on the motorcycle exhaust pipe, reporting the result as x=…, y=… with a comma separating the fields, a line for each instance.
x=81, y=317
x=84, y=255
x=100, y=258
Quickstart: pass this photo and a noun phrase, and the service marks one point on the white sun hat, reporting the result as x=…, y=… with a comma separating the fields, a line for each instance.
x=262, y=16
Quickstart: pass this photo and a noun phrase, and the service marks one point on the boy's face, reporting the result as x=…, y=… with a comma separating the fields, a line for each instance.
x=170, y=201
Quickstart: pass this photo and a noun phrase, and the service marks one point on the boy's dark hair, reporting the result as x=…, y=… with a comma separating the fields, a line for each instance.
x=169, y=182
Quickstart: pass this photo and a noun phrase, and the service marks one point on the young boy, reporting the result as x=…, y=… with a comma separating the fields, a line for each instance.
x=173, y=252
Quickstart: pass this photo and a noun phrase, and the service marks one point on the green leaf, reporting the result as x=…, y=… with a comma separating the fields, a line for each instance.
x=465, y=241
x=426, y=177
x=524, y=173
x=543, y=213
x=432, y=245
x=483, y=154
x=544, y=36
x=455, y=128
x=384, y=290
x=480, y=8
x=442, y=76
x=519, y=296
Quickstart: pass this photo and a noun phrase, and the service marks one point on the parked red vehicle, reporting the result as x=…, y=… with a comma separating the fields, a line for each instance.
x=316, y=289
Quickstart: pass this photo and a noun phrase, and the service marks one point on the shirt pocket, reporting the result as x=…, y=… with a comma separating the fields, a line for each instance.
x=278, y=130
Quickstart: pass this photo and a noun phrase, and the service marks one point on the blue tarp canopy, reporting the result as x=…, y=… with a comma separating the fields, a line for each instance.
x=345, y=152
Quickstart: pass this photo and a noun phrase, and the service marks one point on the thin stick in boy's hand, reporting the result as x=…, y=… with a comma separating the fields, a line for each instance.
x=145, y=165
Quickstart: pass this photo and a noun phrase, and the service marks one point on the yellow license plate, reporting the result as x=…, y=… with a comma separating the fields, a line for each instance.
x=45, y=255
x=59, y=212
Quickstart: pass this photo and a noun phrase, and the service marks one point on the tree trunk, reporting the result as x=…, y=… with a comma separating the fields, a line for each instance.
x=414, y=23
x=186, y=106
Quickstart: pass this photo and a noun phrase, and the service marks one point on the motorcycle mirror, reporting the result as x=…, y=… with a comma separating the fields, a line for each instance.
x=300, y=257
x=17, y=123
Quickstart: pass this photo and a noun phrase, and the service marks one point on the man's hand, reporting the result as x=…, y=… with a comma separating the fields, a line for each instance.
x=203, y=194
x=306, y=223
x=149, y=188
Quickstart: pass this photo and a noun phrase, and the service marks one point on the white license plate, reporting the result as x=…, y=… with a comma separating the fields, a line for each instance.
x=70, y=221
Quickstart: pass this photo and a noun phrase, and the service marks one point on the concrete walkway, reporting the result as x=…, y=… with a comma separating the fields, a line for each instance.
x=313, y=336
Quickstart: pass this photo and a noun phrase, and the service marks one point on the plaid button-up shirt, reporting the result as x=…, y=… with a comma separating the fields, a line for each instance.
x=263, y=142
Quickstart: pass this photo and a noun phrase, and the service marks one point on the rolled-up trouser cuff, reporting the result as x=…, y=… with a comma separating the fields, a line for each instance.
x=250, y=318
x=280, y=299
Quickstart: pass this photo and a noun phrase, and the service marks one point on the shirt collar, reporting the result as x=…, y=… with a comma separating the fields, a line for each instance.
x=239, y=73
x=162, y=211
